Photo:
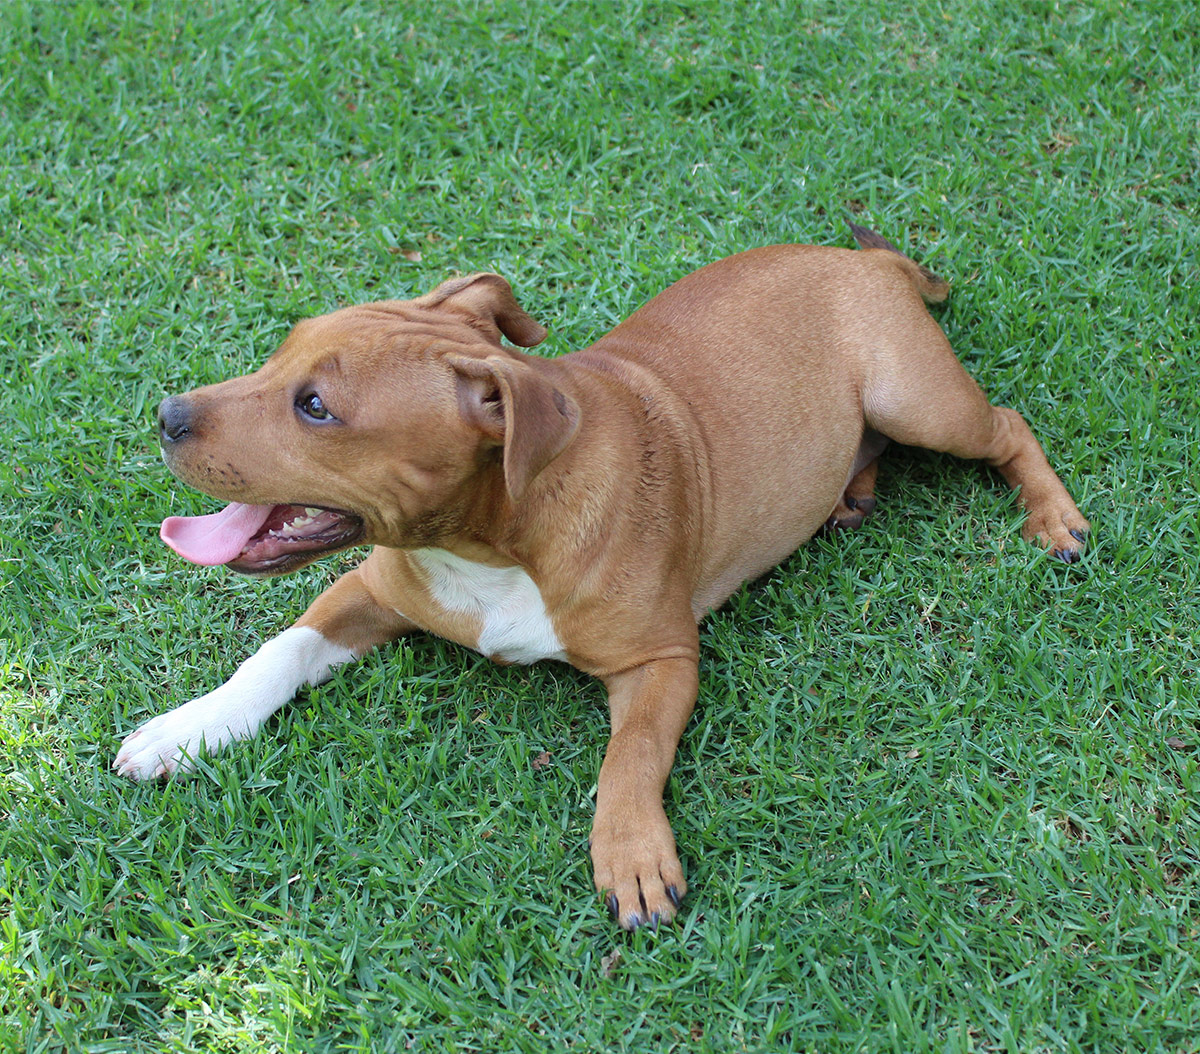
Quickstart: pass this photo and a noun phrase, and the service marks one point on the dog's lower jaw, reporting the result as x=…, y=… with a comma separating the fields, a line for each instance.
x=173, y=741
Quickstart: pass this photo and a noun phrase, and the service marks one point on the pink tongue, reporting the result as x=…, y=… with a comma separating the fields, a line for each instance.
x=214, y=539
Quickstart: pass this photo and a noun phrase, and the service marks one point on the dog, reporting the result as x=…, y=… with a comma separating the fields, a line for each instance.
x=590, y=508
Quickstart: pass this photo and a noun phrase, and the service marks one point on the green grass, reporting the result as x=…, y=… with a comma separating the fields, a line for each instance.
x=940, y=792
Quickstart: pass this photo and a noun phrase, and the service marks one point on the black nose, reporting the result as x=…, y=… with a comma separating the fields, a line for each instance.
x=174, y=419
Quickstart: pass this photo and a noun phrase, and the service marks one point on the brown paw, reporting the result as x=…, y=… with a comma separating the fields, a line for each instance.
x=850, y=512
x=1064, y=533
x=636, y=869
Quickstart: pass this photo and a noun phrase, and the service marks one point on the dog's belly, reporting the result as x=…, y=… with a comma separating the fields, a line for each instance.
x=763, y=544
x=774, y=490
x=503, y=602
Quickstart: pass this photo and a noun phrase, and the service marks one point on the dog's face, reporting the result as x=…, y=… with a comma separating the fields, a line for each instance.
x=374, y=424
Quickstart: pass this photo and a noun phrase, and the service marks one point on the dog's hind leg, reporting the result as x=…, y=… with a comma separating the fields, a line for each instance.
x=920, y=394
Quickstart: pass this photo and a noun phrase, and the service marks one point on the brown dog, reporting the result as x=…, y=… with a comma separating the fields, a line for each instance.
x=590, y=508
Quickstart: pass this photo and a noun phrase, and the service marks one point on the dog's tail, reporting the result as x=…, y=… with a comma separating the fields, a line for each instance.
x=933, y=289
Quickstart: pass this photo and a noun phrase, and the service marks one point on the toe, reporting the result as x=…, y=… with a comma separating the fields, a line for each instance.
x=639, y=876
x=847, y=521
x=1064, y=534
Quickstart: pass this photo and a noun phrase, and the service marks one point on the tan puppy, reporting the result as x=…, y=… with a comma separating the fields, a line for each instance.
x=590, y=508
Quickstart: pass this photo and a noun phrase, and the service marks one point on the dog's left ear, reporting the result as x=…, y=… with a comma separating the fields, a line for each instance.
x=488, y=301
x=512, y=404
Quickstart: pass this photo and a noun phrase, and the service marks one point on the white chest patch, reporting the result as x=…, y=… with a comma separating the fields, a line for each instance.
x=516, y=627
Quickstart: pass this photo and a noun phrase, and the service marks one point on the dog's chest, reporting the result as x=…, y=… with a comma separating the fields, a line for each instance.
x=515, y=626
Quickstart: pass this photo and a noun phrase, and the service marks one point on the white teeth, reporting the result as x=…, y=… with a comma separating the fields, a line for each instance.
x=292, y=527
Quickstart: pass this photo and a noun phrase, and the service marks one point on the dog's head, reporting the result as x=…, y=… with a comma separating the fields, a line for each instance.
x=387, y=423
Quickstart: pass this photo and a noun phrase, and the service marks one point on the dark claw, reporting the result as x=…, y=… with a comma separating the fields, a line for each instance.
x=673, y=893
x=654, y=920
x=1077, y=534
x=1067, y=556
x=635, y=920
x=849, y=502
x=614, y=907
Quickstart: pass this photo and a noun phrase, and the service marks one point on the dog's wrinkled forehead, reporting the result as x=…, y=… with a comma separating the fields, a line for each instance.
x=472, y=311
x=366, y=330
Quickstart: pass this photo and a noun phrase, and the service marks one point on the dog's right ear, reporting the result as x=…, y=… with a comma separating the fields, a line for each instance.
x=515, y=406
x=488, y=303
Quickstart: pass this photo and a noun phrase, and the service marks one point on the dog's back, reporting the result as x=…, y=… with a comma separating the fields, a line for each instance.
x=769, y=354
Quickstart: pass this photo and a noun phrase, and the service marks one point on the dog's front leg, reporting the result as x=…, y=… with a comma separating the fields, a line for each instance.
x=343, y=623
x=633, y=850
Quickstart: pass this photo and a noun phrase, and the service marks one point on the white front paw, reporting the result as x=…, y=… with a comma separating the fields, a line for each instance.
x=263, y=683
x=172, y=741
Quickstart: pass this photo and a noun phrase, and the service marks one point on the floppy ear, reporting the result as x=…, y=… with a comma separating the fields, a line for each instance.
x=488, y=301
x=514, y=405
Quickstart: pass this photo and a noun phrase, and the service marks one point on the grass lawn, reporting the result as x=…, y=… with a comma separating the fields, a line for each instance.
x=940, y=793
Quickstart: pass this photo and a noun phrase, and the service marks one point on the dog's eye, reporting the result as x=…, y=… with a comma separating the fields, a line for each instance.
x=311, y=406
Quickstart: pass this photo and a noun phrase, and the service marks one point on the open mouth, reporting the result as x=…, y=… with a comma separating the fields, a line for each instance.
x=261, y=539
